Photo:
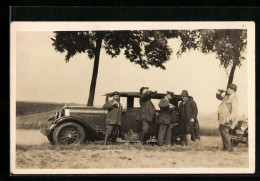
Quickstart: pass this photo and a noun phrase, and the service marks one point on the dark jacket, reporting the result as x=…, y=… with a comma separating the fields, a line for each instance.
x=190, y=110
x=166, y=113
x=114, y=113
x=147, y=111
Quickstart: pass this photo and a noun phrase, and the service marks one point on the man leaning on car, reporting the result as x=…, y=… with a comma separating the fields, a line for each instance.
x=113, y=119
x=227, y=113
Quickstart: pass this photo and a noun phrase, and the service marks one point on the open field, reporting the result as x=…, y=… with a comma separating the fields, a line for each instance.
x=207, y=153
x=27, y=108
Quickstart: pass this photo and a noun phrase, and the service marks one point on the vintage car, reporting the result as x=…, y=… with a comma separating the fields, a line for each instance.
x=80, y=124
x=240, y=133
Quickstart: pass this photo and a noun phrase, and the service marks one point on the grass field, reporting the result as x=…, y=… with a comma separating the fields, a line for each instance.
x=206, y=153
x=28, y=108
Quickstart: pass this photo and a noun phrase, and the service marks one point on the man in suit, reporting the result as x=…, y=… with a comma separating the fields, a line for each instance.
x=195, y=133
x=113, y=119
x=188, y=112
x=146, y=114
x=227, y=113
x=165, y=119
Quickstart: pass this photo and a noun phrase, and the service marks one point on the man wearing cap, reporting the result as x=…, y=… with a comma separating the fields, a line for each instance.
x=113, y=119
x=227, y=113
x=165, y=119
x=146, y=114
x=188, y=112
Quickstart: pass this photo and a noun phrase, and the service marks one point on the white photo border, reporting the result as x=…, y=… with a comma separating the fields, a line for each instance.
x=135, y=25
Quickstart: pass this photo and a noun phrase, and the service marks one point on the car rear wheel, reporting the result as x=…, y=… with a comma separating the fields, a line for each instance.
x=69, y=133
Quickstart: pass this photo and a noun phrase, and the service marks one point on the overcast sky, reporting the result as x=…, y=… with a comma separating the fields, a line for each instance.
x=43, y=75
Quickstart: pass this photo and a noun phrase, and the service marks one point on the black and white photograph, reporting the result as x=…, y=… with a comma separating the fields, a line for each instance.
x=132, y=97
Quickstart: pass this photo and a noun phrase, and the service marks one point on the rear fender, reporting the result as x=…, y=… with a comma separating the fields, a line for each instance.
x=88, y=129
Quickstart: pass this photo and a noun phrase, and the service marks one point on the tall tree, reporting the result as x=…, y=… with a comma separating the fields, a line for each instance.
x=229, y=45
x=145, y=48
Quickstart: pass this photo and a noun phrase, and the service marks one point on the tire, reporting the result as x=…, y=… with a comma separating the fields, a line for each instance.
x=69, y=133
x=50, y=138
x=247, y=142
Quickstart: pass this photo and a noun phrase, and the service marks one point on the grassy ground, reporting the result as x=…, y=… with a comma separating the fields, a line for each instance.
x=30, y=115
x=35, y=121
x=207, y=153
x=27, y=108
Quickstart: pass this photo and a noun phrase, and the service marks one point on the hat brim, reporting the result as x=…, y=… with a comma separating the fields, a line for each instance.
x=233, y=88
x=184, y=95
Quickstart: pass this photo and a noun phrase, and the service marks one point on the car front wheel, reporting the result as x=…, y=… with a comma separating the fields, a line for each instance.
x=50, y=138
x=69, y=133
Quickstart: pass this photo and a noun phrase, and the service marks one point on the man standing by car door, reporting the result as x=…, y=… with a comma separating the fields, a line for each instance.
x=113, y=119
x=188, y=114
x=146, y=114
x=227, y=113
x=165, y=120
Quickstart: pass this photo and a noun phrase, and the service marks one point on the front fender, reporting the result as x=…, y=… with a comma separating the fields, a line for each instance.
x=86, y=127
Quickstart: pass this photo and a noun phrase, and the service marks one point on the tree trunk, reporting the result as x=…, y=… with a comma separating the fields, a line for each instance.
x=232, y=72
x=95, y=70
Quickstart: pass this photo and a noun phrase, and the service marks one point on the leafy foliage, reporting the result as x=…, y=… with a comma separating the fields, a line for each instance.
x=229, y=44
x=141, y=47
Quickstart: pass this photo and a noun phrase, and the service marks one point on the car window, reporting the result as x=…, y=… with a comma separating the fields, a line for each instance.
x=154, y=101
x=136, y=102
x=123, y=101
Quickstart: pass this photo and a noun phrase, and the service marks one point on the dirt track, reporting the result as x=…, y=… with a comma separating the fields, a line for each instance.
x=30, y=137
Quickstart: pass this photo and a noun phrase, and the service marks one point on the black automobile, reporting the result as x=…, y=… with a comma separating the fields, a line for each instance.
x=79, y=124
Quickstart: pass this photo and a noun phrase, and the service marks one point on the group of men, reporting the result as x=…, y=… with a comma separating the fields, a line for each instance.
x=185, y=116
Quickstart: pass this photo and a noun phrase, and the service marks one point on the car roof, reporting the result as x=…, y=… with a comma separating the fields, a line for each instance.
x=137, y=94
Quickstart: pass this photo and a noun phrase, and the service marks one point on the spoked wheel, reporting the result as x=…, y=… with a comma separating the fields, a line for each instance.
x=69, y=133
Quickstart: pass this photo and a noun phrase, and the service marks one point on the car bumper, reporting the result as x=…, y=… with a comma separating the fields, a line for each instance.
x=47, y=132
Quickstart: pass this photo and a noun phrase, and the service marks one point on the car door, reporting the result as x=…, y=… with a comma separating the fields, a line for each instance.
x=129, y=120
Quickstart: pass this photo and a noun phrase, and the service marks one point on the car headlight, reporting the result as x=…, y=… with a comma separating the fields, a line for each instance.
x=243, y=126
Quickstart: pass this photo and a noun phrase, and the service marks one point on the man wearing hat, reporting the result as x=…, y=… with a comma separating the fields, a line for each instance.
x=113, y=119
x=147, y=113
x=227, y=113
x=165, y=119
x=188, y=112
